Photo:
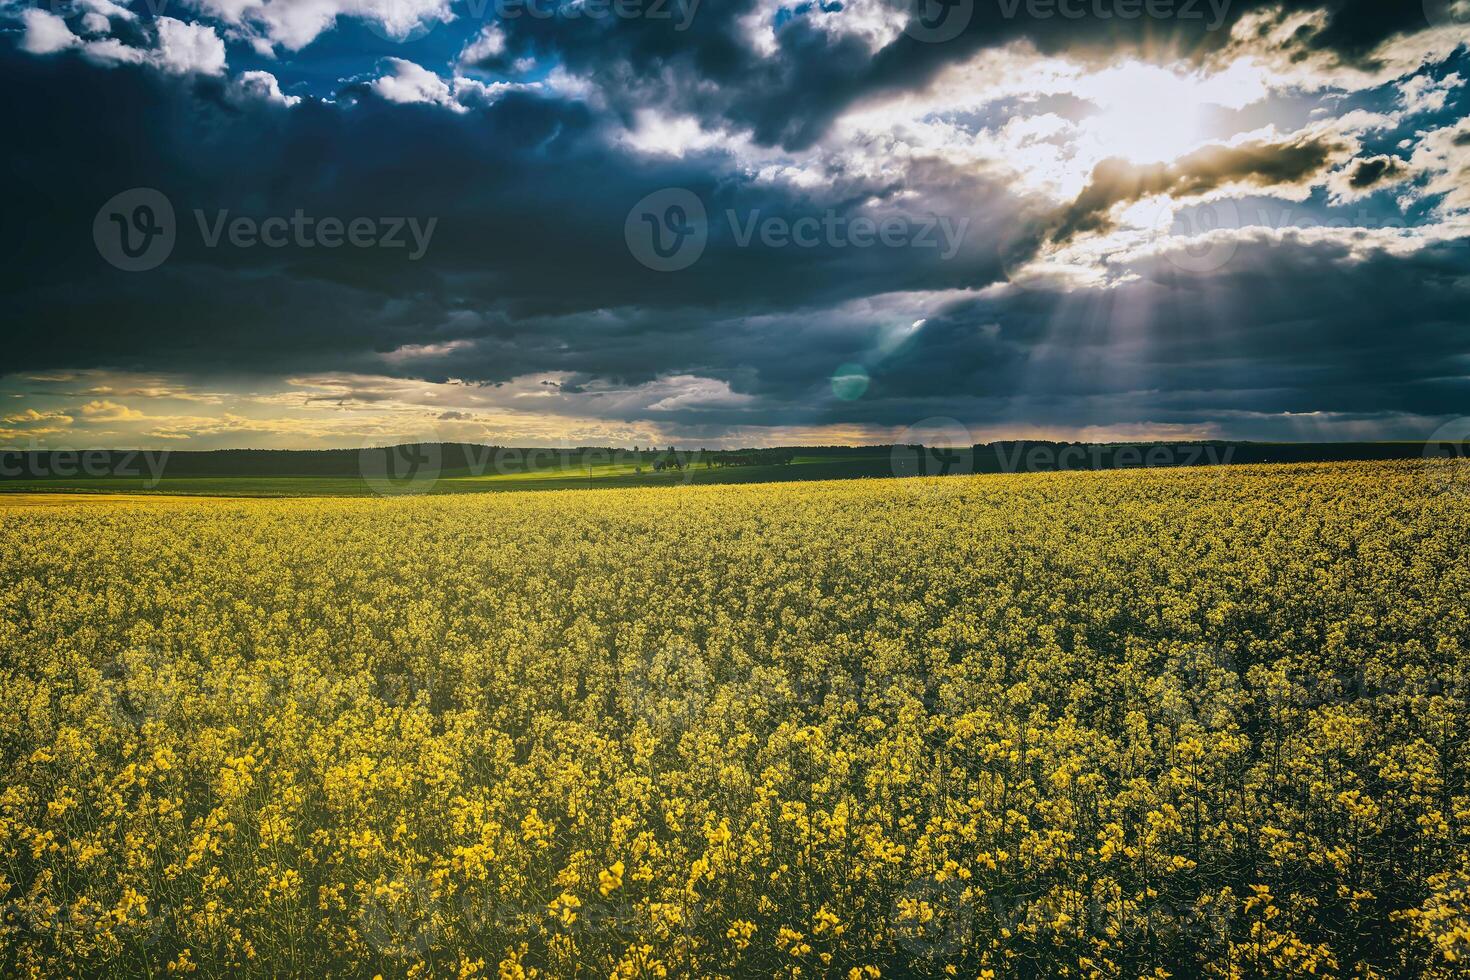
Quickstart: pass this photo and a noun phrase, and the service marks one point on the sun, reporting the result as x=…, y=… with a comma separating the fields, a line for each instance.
x=1152, y=114
x=1141, y=136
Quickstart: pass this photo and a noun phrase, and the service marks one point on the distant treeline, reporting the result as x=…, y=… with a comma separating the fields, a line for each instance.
x=448, y=459
x=749, y=457
x=1034, y=455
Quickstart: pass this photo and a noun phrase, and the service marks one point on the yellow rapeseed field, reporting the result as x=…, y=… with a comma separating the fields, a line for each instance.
x=1097, y=724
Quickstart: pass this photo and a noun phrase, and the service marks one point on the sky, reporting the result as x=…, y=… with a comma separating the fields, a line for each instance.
x=337, y=223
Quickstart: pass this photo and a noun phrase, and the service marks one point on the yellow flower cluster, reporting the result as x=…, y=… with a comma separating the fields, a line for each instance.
x=1183, y=722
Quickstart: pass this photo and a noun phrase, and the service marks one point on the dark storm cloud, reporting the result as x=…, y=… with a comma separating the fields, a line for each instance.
x=1277, y=330
x=1373, y=171
x=1258, y=164
x=528, y=271
x=530, y=204
x=1279, y=337
x=707, y=67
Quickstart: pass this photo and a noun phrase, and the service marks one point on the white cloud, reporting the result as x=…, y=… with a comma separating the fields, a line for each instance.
x=106, y=8
x=1421, y=93
x=185, y=48
x=663, y=135
x=487, y=44
x=110, y=51
x=1366, y=176
x=692, y=391
x=471, y=92
x=1444, y=154
x=876, y=22
x=293, y=24
x=417, y=352
x=46, y=33
x=1282, y=44
x=259, y=86
x=180, y=48
x=407, y=83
